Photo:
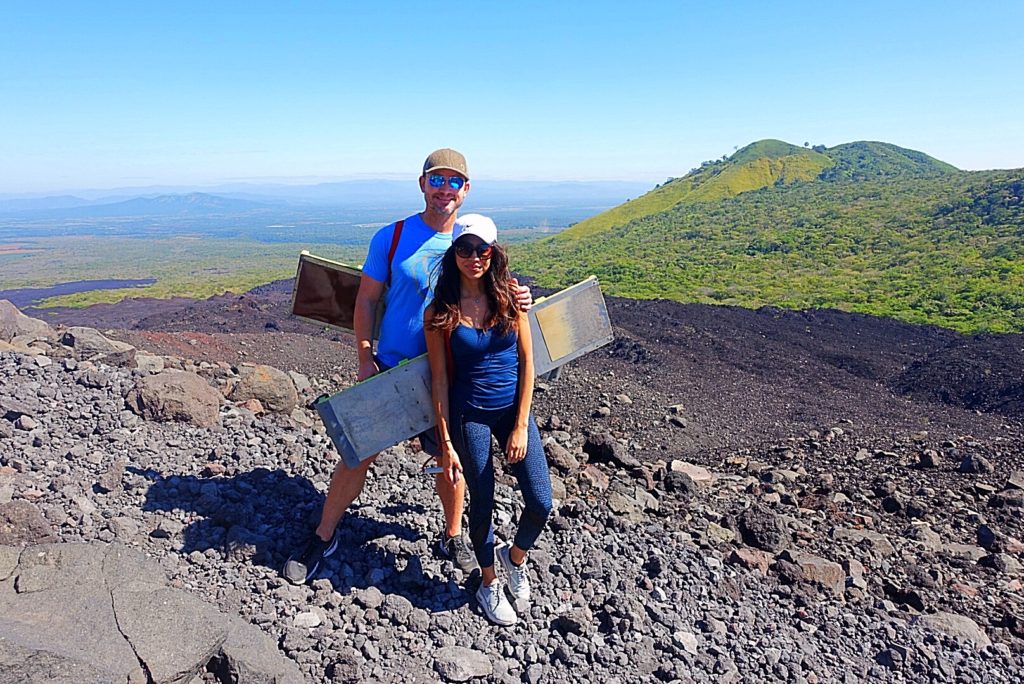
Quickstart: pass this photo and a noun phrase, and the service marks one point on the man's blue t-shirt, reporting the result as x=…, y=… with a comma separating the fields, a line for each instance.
x=413, y=274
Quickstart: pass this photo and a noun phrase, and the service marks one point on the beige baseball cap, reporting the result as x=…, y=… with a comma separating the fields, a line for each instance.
x=448, y=159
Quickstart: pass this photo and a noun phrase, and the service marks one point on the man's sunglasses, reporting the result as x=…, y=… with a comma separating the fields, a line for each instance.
x=437, y=180
x=466, y=250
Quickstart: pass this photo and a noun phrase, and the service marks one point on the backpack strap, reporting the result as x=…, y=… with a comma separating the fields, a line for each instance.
x=394, y=247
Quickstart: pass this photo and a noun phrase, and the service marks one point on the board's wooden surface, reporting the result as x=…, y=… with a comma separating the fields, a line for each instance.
x=324, y=292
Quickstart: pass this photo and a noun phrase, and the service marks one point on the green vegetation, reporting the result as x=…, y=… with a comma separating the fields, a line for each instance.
x=878, y=230
x=182, y=267
x=761, y=164
x=867, y=160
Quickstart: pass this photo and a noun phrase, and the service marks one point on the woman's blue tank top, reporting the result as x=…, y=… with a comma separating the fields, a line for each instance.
x=486, y=367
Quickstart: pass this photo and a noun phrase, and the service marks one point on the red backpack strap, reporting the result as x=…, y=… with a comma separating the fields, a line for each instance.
x=394, y=247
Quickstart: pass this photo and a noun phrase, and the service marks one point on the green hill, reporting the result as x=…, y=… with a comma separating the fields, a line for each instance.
x=871, y=228
x=867, y=160
x=761, y=164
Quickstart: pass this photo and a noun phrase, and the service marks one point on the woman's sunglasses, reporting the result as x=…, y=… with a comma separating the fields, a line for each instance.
x=437, y=180
x=466, y=250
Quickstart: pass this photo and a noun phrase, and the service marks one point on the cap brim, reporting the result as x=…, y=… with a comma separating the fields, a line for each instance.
x=445, y=168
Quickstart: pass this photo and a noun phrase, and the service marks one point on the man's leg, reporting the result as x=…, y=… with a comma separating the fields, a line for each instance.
x=453, y=501
x=346, y=484
x=452, y=543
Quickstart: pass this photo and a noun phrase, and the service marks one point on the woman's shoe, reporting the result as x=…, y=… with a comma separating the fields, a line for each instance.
x=518, y=581
x=496, y=607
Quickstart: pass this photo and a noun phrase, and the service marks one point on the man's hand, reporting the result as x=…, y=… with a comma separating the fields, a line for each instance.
x=524, y=298
x=367, y=369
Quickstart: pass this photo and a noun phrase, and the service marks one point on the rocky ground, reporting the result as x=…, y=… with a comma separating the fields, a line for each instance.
x=742, y=496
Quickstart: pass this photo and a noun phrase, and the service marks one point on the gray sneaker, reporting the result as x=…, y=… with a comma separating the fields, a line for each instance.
x=495, y=606
x=303, y=564
x=518, y=581
x=458, y=550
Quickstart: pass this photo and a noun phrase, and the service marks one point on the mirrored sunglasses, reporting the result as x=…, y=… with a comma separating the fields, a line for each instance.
x=466, y=250
x=437, y=180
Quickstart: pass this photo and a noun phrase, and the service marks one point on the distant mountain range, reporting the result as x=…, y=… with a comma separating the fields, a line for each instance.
x=862, y=226
x=191, y=204
x=369, y=194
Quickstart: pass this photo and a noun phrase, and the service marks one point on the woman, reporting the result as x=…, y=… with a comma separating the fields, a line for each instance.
x=481, y=362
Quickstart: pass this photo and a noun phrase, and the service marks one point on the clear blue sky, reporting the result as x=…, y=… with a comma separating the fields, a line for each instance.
x=105, y=94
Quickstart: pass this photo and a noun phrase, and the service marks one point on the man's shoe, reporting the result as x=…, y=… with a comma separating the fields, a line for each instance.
x=458, y=550
x=496, y=607
x=518, y=581
x=302, y=566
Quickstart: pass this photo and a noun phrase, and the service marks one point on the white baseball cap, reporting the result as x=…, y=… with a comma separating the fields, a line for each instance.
x=478, y=225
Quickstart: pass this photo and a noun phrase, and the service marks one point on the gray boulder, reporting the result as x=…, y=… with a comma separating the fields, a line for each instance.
x=22, y=665
x=763, y=529
x=701, y=476
x=626, y=506
x=151, y=363
x=13, y=323
x=603, y=448
x=98, y=613
x=21, y=523
x=959, y=627
x=250, y=656
x=174, y=633
x=830, y=576
x=91, y=344
x=876, y=542
x=270, y=386
x=560, y=458
x=459, y=664
x=174, y=395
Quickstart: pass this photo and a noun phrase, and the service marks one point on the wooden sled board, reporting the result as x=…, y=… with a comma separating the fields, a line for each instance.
x=324, y=292
x=395, y=405
x=379, y=412
x=569, y=324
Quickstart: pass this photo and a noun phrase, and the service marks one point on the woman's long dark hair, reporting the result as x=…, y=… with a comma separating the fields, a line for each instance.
x=497, y=285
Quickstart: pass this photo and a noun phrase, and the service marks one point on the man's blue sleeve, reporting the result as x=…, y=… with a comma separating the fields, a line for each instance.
x=376, y=265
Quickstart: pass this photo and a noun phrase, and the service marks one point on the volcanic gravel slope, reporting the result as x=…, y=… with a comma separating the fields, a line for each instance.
x=885, y=448
x=745, y=378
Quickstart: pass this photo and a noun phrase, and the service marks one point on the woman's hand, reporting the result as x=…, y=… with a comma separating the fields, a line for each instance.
x=516, y=447
x=451, y=465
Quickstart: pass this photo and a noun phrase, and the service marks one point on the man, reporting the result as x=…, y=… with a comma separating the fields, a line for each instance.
x=422, y=241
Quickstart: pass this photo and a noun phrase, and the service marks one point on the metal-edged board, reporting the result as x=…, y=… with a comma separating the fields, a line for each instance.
x=569, y=324
x=380, y=411
x=324, y=292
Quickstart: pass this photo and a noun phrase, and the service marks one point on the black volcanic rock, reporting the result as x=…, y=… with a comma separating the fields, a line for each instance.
x=603, y=448
x=763, y=529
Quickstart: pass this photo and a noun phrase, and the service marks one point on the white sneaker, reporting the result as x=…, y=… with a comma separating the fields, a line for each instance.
x=518, y=581
x=496, y=606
